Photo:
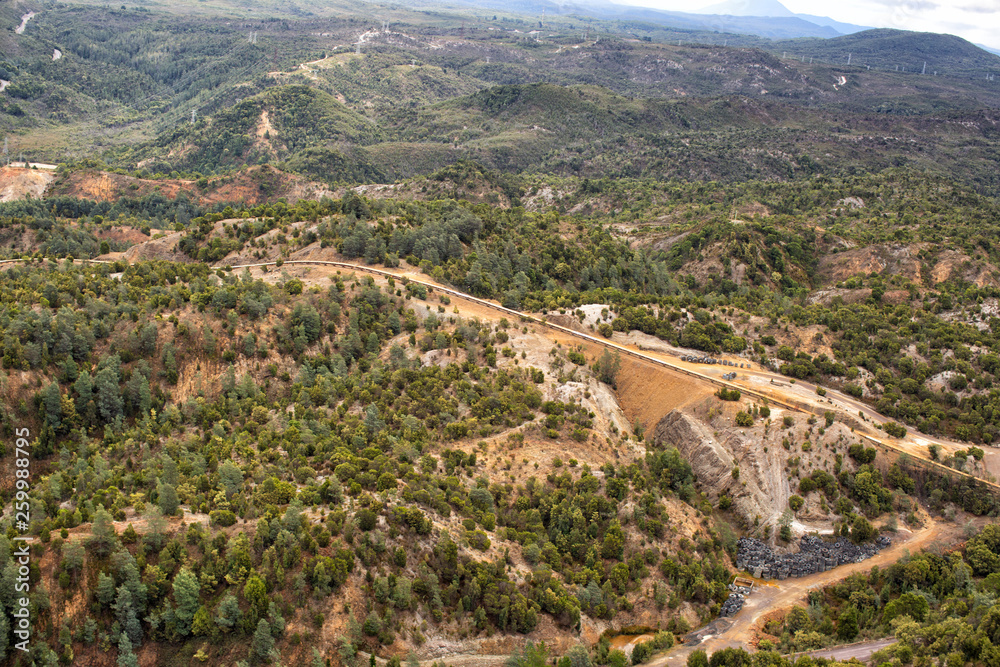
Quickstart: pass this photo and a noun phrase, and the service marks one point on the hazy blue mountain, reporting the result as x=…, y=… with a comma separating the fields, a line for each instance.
x=782, y=27
x=843, y=28
x=748, y=8
x=774, y=9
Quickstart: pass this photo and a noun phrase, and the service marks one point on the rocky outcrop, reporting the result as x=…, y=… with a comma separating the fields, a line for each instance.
x=760, y=492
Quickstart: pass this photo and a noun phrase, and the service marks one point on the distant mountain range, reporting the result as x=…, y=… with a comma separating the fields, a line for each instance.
x=774, y=9
x=764, y=18
x=885, y=49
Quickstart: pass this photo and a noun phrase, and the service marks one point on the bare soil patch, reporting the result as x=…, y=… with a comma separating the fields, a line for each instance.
x=17, y=183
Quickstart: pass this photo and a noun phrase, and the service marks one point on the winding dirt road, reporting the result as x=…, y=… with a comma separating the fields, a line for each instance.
x=771, y=596
x=777, y=393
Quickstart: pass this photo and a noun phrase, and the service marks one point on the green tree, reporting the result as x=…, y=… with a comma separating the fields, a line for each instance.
x=201, y=625
x=730, y=657
x=231, y=478
x=51, y=400
x=531, y=656
x=72, y=553
x=84, y=388
x=847, y=624
x=167, y=498
x=608, y=366
x=169, y=360
x=228, y=613
x=579, y=656
x=186, y=588
x=614, y=542
x=105, y=592
x=103, y=538
x=126, y=658
x=109, y=399
x=908, y=604
x=255, y=592
x=262, y=644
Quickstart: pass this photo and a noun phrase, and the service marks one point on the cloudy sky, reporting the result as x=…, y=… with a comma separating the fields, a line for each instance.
x=976, y=20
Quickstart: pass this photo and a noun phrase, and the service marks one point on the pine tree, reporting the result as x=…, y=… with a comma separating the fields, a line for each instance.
x=52, y=405
x=255, y=592
x=84, y=387
x=230, y=477
x=105, y=589
x=103, y=538
x=109, y=400
x=167, y=498
x=228, y=613
x=262, y=643
x=4, y=635
x=170, y=363
x=126, y=658
x=186, y=589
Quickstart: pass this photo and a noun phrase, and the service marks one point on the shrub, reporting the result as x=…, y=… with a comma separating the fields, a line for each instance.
x=726, y=394
x=366, y=519
x=894, y=429
x=223, y=518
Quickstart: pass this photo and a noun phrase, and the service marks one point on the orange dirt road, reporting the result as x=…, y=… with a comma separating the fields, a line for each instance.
x=776, y=595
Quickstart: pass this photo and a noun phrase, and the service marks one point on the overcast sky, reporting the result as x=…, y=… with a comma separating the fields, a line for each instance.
x=976, y=20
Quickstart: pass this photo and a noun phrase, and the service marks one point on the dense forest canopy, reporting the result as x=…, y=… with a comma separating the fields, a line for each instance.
x=230, y=452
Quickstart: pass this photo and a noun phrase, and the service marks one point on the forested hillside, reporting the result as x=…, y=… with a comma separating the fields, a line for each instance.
x=347, y=334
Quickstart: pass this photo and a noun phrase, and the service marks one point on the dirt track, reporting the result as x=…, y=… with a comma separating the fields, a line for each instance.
x=662, y=382
x=861, y=651
x=772, y=596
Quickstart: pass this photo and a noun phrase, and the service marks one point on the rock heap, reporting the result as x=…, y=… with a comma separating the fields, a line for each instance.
x=815, y=555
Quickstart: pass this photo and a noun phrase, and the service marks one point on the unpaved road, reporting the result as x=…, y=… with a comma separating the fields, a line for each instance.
x=861, y=651
x=776, y=595
x=779, y=388
x=24, y=22
x=771, y=596
x=798, y=400
x=34, y=165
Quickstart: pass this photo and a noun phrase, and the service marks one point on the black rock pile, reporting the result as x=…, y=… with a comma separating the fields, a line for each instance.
x=815, y=555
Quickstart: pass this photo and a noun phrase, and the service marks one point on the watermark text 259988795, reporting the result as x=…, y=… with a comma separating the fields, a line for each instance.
x=22, y=508
x=22, y=555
